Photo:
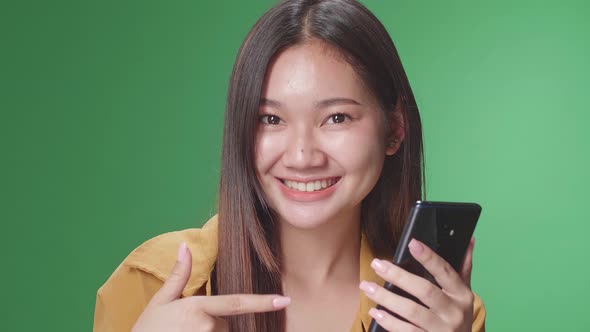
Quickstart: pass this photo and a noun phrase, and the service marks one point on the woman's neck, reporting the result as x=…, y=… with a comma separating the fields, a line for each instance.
x=313, y=257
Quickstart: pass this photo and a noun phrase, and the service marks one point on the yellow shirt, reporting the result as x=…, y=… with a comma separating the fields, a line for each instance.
x=123, y=297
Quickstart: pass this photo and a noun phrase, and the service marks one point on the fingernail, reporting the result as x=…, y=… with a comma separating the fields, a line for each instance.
x=181, y=252
x=368, y=287
x=416, y=247
x=281, y=302
x=377, y=314
x=378, y=266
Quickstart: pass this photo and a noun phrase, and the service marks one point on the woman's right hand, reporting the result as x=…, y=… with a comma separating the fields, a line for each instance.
x=166, y=311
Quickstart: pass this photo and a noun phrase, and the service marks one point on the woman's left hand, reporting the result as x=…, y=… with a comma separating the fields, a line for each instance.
x=447, y=309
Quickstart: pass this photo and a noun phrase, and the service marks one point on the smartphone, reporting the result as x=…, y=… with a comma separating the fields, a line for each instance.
x=446, y=228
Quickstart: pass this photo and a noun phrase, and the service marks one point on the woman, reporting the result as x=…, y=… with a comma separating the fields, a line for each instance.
x=322, y=157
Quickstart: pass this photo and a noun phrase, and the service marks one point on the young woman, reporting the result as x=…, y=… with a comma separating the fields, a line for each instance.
x=322, y=158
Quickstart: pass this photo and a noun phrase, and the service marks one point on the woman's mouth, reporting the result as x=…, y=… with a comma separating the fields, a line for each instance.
x=311, y=186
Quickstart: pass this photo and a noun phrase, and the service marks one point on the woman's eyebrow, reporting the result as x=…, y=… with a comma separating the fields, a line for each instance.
x=270, y=103
x=335, y=101
x=318, y=104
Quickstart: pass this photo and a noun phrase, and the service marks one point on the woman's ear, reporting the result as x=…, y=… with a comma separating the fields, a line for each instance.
x=396, y=129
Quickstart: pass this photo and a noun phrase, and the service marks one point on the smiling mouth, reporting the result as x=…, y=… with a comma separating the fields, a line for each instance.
x=311, y=186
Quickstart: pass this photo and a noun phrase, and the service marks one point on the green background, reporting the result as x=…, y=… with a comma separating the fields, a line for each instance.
x=111, y=120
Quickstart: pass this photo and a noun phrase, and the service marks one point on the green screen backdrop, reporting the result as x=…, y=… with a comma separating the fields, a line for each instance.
x=112, y=116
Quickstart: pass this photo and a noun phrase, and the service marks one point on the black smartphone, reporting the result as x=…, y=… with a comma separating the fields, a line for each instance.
x=446, y=228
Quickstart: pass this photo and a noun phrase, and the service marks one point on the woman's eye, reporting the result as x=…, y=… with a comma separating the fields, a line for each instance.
x=270, y=119
x=337, y=118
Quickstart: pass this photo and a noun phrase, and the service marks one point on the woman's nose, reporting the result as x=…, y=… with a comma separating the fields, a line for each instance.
x=303, y=151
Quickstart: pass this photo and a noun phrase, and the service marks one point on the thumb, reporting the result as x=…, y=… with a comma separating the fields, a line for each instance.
x=173, y=286
x=467, y=265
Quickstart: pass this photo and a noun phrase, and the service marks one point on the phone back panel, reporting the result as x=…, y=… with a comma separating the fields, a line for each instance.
x=445, y=227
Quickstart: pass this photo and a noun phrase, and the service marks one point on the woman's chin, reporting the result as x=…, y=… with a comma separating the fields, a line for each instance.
x=308, y=220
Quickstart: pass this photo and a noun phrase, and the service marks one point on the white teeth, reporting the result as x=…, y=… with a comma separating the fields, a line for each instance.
x=309, y=186
x=301, y=186
x=317, y=185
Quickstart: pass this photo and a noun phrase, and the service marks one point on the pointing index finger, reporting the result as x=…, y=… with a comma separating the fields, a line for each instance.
x=237, y=304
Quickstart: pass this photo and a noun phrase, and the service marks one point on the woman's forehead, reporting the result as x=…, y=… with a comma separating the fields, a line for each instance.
x=310, y=72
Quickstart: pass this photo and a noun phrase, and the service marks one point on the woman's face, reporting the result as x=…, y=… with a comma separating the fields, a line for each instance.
x=321, y=138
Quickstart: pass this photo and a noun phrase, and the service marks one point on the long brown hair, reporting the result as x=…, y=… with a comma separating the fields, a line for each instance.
x=248, y=258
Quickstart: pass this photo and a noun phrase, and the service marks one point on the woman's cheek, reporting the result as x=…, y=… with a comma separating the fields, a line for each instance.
x=356, y=149
x=268, y=150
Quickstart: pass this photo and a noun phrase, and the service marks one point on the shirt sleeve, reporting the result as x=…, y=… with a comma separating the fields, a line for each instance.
x=121, y=300
x=479, y=315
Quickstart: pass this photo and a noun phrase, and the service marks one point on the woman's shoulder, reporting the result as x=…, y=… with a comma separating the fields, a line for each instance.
x=154, y=259
x=157, y=256
x=122, y=298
